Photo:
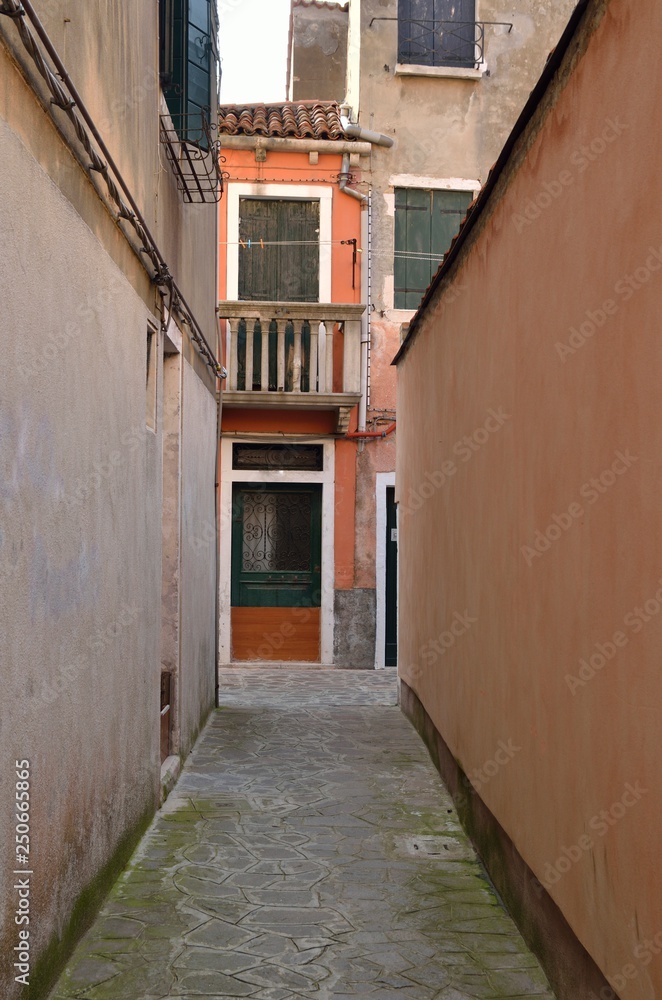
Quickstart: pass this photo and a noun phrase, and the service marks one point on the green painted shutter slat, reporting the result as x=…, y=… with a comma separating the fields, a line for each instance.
x=448, y=210
x=425, y=224
x=189, y=91
x=258, y=269
x=299, y=260
x=289, y=271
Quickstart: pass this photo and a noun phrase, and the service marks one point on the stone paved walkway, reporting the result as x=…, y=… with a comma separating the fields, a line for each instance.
x=309, y=849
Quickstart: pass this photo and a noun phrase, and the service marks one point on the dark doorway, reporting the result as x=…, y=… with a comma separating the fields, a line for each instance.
x=391, y=647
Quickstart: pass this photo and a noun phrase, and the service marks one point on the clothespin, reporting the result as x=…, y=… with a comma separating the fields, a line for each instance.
x=241, y=242
x=262, y=243
x=249, y=244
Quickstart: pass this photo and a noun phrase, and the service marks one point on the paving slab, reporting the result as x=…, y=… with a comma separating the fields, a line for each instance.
x=309, y=849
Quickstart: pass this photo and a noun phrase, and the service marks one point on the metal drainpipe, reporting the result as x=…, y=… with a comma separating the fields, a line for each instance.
x=344, y=180
x=372, y=434
x=365, y=319
x=357, y=132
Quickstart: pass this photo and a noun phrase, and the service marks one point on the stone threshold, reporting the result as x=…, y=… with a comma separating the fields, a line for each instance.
x=170, y=769
x=278, y=665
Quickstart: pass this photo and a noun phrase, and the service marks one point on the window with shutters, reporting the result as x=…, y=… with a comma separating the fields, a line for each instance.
x=425, y=224
x=279, y=256
x=188, y=62
x=437, y=32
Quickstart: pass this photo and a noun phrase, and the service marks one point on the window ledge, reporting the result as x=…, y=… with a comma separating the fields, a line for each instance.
x=441, y=72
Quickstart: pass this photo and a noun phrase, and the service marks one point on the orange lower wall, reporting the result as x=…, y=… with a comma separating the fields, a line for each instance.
x=276, y=634
x=530, y=486
x=243, y=421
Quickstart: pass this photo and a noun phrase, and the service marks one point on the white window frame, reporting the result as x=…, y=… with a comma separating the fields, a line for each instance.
x=278, y=192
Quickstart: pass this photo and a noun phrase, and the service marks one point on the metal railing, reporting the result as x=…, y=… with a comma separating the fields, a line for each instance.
x=425, y=42
x=277, y=347
x=194, y=155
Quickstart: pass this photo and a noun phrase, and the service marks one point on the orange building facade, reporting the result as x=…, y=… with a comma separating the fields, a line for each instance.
x=292, y=291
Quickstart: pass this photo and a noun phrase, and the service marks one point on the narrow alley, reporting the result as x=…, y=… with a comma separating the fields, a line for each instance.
x=309, y=849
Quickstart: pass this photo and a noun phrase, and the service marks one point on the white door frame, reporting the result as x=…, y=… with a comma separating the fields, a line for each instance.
x=327, y=478
x=384, y=479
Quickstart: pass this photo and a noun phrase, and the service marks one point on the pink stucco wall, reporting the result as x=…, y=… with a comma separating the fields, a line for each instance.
x=506, y=437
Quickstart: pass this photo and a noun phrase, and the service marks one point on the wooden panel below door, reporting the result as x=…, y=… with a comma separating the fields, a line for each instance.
x=289, y=634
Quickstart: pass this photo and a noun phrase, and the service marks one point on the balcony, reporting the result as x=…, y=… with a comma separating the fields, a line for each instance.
x=294, y=354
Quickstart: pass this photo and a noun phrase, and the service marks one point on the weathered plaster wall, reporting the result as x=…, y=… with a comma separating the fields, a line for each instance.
x=529, y=527
x=319, y=56
x=198, y=565
x=81, y=487
x=80, y=547
x=111, y=53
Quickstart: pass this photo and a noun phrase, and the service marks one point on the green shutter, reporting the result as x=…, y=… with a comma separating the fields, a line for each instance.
x=188, y=62
x=288, y=271
x=425, y=224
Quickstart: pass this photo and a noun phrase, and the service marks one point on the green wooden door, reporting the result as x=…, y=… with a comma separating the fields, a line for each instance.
x=288, y=269
x=276, y=545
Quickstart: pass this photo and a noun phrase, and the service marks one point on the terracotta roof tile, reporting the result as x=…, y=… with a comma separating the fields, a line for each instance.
x=294, y=120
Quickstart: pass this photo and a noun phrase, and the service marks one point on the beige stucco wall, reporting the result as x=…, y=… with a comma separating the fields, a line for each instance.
x=81, y=483
x=554, y=254
x=198, y=564
x=319, y=57
x=81, y=544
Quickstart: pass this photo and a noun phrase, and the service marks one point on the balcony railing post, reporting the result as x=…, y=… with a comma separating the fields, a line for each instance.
x=313, y=361
x=321, y=355
x=330, y=330
x=264, y=357
x=233, y=353
x=280, y=355
x=250, y=327
x=352, y=356
x=296, y=368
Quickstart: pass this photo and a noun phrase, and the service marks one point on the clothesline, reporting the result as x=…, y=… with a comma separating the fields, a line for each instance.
x=251, y=244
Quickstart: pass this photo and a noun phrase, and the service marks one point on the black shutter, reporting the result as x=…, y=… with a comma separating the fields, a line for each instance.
x=426, y=38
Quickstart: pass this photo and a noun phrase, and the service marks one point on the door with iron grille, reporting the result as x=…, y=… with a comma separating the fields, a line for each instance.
x=276, y=571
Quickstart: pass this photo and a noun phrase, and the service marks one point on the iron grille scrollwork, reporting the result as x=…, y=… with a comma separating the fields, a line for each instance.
x=276, y=532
